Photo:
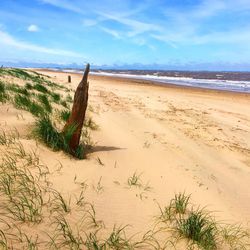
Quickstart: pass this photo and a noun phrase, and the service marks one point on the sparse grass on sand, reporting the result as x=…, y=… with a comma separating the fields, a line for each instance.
x=27, y=198
x=136, y=181
x=198, y=228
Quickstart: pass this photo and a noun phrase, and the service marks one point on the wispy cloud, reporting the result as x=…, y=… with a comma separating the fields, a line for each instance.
x=137, y=27
x=146, y=29
x=111, y=32
x=33, y=28
x=180, y=25
x=7, y=39
x=188, y=27
x=122, y=17
x=64, y=4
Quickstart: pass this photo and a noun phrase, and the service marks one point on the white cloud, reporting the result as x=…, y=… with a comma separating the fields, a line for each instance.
x=33, y=28
x=10, y=41
x=111, y=32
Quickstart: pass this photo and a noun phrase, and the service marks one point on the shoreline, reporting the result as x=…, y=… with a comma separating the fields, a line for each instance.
x=146, y=82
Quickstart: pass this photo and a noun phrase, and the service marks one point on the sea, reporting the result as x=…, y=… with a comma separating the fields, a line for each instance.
x=229, y=81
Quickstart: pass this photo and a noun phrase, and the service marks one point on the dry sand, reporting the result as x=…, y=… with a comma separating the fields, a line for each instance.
x=178, y=139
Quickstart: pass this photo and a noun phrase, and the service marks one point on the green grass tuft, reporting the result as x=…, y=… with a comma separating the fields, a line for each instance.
x=13, y=88
x=2, y=87
x=180, y=203
x=24, y=91
x=134, y=180
x=23, y=102
x=199, y=228
x=46, y=132
x=36, y=109
x=64, y=104
x=39, y=87
x=81, y=152
x=69, y=98
x=17, y=89
x=45, y=102
x=59, y=203
x=3, y=95
x=55, y=97
x=28, y=86
x=64, y=115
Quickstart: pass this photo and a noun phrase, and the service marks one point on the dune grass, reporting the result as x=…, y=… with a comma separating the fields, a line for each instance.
x=40, y=88
x=31, y=76
x=43, y=99
x=46, y=132
x=59, y=203
x=3, y=94
x=64, y=115
x=26, y=103
x=19, y=90
x=23, y=199
x=2, y=87
x=27, y=198
x=180, y=203
x=37, y=97
x=55, y=97
x=28, y=86
x=134, y=180
x=200, y=228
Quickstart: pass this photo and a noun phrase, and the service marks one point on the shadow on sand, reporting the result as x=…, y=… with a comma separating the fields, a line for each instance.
x=103, y=148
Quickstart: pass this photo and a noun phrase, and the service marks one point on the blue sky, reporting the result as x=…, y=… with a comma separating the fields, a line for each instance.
x=167, y=32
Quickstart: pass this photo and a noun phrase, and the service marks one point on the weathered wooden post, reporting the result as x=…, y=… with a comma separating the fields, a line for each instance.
x=77, y=116
x=69, y=79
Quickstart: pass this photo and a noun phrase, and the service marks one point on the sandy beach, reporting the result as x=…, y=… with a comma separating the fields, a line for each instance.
x=175, y=139
x=180, y=139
